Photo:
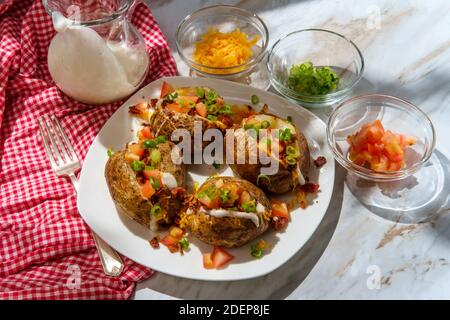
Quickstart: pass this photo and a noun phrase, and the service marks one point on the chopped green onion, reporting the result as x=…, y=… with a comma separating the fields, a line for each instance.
x=265, y=124
x=212, y=108
x=249, y=206
x=211, y=117
x=155, y=156
x=200, y=92
x=256, y=251
x=184, y=243
x=149, y=168
x=137, y=165
x=180, y=102
x=291, y=160
x=156, y=210
x=110, y=152
x=155, y=183
x=262, y=177
x=212, y=96
x=147, y=144
x=285, y=135
x=226, y=109
x=248, y=126
x=255, y=99
x=292, y=151
x=307, y=79
x=224, y=195
x=161, y=139
x=289, y=118
x=172, y=96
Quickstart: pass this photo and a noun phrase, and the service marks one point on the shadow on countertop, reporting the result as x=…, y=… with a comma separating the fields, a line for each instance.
x=278, y=284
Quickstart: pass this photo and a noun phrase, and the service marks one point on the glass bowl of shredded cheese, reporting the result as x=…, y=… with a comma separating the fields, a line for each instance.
x=222, y=41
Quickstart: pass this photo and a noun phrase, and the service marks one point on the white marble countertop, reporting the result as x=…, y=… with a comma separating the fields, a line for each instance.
x=354, y=252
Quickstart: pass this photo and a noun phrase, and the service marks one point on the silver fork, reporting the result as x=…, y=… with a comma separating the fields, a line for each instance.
x=64, y=162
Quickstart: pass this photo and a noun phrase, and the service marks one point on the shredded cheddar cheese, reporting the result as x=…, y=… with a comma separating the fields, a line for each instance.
x=224, y=50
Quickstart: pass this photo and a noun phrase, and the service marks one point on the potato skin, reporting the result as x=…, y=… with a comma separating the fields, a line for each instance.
x=229, y=232
x=164, y=122
x=126, y=191
x=280, y=182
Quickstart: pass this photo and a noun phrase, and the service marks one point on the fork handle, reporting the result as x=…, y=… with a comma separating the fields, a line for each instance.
x=111, y=261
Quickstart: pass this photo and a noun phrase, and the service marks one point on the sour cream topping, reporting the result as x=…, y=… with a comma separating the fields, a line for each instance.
x=221, y=213
x=169, y=180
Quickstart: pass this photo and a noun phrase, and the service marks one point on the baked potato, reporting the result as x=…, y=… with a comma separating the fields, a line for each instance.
x=145, y=184
x=292, y=155
x=180, y=108
x=227, y=212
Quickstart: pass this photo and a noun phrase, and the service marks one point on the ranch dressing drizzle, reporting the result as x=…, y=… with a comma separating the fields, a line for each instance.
x=169, y=180
x=301, y=179
x=221, y=213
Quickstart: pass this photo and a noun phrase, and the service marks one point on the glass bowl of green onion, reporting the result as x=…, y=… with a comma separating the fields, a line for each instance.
x=315, y=67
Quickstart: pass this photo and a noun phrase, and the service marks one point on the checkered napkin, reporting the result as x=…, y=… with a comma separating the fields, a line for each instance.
x=46, y=251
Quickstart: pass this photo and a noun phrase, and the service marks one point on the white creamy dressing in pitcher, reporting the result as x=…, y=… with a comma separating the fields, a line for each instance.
x=91, y=69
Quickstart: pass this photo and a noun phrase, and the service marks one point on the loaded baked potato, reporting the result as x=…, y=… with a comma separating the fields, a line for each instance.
x=144, y=182
x=292, y=154
x=227, y=212
x=180, y=108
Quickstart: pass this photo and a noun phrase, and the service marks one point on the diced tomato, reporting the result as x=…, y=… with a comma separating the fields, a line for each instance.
x=165, y=89
x=171, y=243
x=136, y=149
x=152, y=173
x=201, y=109
x=207, y=261
x=210, y=203
x=146, y=133
x=279, y=209
x=130, y=157
x=147, y=189
x=187, y=100
x=177, y=108
x=382, y=149
x=220, y=257
x=176, y=232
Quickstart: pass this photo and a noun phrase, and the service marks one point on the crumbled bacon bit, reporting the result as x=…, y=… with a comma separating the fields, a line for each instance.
x=320, y=161
x=279, y=223
x=153, y=102
x=154, y=243
x=178, y=191
x=226, y=120
x=310, y=187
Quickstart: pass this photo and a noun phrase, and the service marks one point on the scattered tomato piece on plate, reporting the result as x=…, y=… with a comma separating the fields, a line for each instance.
x=220, y=257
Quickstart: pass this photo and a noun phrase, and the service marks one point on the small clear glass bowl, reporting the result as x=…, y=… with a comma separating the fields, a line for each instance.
x=321, y=48
x=397, y=115
x=226, y=18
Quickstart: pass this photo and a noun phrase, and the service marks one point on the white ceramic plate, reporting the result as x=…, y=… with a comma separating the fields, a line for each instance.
x=129, y=238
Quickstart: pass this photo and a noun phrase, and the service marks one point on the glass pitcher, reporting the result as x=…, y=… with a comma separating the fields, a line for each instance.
x=97, y=56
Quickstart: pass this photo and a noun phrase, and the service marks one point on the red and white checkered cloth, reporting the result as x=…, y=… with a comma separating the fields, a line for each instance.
x=45, y=245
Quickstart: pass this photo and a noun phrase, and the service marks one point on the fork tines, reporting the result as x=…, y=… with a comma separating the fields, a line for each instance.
x=56, y=143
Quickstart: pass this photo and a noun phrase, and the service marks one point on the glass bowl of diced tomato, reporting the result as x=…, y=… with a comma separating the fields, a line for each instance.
x=380, y=137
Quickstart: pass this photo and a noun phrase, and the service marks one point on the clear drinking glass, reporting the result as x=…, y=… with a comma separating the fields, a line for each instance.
x=97, y=55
